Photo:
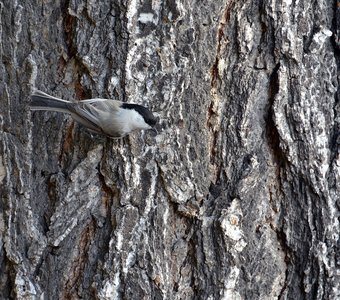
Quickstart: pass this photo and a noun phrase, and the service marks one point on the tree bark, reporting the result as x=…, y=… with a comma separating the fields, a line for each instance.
x=238, y=195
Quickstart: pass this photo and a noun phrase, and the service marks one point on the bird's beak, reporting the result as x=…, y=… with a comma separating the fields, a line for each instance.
x=153, y=129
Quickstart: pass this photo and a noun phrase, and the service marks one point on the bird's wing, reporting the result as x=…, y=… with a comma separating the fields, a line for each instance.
x=93, y=113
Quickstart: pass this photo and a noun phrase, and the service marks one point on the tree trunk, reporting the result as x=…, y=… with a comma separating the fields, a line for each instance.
x=238, y=195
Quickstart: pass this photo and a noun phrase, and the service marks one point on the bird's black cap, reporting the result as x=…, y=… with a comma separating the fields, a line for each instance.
x=147, y=115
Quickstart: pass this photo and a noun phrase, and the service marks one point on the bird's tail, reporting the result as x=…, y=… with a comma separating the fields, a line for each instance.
x=43, y=101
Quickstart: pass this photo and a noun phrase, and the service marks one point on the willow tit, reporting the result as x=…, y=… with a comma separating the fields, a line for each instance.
x=109, y=117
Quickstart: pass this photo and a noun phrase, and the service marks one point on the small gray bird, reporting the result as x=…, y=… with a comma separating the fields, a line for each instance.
x=109, y=117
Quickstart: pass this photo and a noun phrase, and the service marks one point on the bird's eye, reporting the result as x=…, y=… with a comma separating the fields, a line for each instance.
x=152, y=121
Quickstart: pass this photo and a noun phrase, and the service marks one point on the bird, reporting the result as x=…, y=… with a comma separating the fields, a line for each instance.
x=109, y=117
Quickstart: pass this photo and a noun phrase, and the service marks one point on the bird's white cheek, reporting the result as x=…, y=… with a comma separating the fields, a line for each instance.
x=142, y=125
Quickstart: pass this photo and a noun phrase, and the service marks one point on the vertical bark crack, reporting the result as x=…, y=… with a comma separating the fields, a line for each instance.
x=220, y=35
x=273, y=136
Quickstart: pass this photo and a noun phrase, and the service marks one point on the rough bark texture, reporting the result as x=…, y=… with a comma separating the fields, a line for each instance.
x=236, y=198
